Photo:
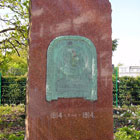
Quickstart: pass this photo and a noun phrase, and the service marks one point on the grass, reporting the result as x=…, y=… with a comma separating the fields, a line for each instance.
x=12, y=122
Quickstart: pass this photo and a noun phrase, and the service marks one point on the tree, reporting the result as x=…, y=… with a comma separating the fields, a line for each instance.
x=14, y=33
x=114, y=44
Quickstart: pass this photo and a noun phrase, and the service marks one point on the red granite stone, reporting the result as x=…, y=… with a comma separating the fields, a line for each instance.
x=69, y=119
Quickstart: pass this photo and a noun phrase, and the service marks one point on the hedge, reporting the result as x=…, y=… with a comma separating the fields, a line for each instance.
x=128, y=90
x=13, y=90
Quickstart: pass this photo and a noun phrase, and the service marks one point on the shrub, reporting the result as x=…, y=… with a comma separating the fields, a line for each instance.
x=128, y=90
x=13, y=136
x=127, y=133
x=13, y=90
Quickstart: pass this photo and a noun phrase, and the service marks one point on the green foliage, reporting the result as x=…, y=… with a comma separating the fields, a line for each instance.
x=114, y=44
x=127, y=116
x=127, y=133
x=14, y=65
x=14, y=36
x=128, y=89
x=13, y=90
x=13, y=136
x=11, y=123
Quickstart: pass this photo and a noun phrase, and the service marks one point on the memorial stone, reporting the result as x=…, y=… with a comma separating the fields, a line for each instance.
x=69, y=94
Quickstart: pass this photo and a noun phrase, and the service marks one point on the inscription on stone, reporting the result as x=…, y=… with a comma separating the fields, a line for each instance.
x=84, y=115
x=71, y=69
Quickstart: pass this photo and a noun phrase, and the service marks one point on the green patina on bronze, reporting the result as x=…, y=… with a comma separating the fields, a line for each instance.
x=71, y=69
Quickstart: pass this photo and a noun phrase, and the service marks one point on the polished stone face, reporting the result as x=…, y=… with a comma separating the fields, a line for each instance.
x=76, y=117
x=71, y=69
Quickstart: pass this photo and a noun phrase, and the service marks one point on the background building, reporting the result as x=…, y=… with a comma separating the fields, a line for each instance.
x=133, y=71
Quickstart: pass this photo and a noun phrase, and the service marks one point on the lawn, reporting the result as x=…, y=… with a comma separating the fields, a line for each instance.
x=12, y=122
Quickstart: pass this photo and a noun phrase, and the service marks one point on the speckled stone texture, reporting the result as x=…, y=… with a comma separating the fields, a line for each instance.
x=69, y=119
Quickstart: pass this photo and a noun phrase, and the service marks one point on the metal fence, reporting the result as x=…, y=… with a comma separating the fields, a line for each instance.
x=0, y=88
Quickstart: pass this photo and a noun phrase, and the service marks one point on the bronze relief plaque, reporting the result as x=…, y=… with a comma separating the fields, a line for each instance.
x=71, y=69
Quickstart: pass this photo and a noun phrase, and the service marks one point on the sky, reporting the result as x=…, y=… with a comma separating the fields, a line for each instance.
x=126, y=28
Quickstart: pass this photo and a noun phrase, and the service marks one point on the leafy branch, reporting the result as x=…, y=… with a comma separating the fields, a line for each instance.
x=8, y=29
x=14, y=35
